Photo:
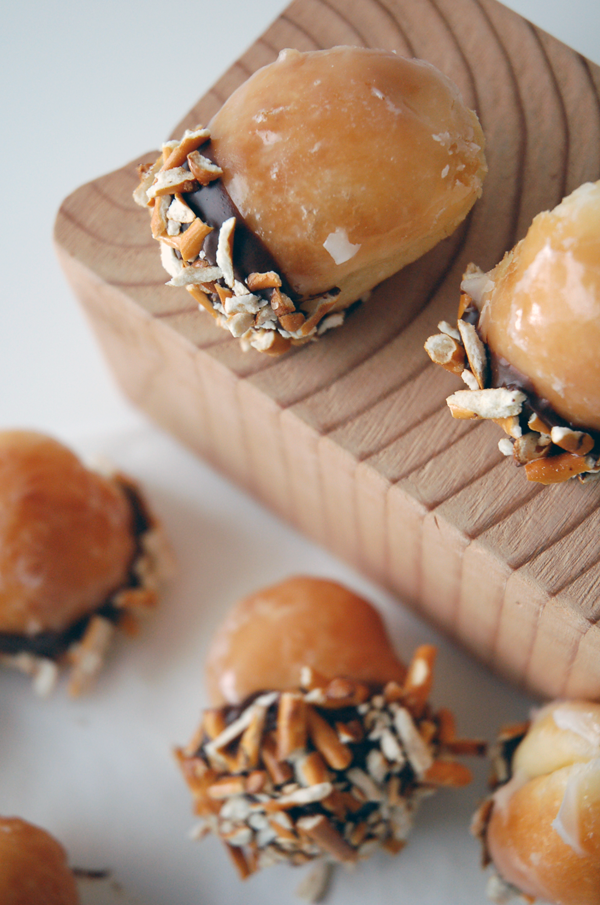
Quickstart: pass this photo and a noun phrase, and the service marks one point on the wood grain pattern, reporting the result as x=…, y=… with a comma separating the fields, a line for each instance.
x=349, y=439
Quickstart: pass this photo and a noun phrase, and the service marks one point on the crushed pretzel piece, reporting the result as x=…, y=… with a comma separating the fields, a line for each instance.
x=199, y=272
x=280, y=772
x=510, y=426
x=475, y=351
x=419, y=679
x=330, y=321
x=147, y=173
x=268, y=280
x=445, y=327
x=158, y=220
x=493, y=403
x=351, y=731
x=191, y=241
x=416, y=749
x=446, y=351
x=226, y=787
x=88, y=656
x=235, y=729
x=470, y=379
x=203, y=169
x=315, y=311
x=320, y=829
x=225, y=251
x=535, y=423
x=530, y=446
x=167, y=182
x=179, y=151
x=201, y=297
x=448, y=773
x=325, y=740
x=244, y=304
x=239, y=324
x=240, y=861
x=270, y=342
x=179, y=210
x=572, y=441
x=311, y=769
x=556, y=469
x=292, y=322
x=281, y=303
x=315, y=886
x=250, y=741
x=464, y=302
x=292, y=726
x=302, y=796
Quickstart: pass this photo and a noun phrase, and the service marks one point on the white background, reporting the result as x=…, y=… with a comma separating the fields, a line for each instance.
x=83, y=93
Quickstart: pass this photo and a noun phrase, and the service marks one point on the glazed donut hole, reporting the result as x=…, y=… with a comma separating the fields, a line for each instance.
x=33, y=866
x=320, y=744
x=541, y=826
x=80, y=555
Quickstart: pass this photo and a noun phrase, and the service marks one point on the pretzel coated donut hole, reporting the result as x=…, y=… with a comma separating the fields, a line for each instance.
x=542, y=313
x=66, y=535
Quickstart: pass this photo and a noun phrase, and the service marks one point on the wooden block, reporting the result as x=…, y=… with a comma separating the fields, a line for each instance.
x=349, y=439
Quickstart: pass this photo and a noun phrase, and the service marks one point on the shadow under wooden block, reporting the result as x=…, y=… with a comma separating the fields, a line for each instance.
x=349, y=439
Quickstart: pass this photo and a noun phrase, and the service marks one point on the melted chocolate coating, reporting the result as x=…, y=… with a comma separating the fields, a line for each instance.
x=213, y=204
x=52, y=645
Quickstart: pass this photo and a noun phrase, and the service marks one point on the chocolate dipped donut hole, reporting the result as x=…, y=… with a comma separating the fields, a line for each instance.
x=78, y=556
x=541, y=826
x=323, y=174
x=322, y=744
x=33, y=866
x=528, y=339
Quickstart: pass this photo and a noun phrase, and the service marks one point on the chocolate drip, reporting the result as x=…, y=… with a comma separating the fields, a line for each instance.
x=214, y=205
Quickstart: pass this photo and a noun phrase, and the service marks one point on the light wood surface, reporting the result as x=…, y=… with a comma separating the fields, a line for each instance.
x=350, y=439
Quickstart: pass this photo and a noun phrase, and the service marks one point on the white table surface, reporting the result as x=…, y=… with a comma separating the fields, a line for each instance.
x=98, y=772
